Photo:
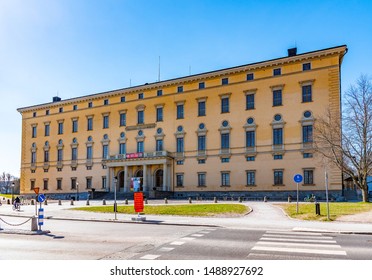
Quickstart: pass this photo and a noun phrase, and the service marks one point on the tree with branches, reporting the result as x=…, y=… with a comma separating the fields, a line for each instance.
x=347, y=141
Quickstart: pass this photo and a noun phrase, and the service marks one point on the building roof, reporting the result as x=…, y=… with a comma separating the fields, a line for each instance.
x=340, y=50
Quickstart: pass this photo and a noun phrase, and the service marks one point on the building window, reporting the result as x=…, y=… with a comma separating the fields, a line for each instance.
x=47, y=130
x=249, y=102
x=59, y=184
x=59, y=154
x=225, y=179
x=180, y=145
x=90, y=124
x=159, y=114
x=105, y=121
x=202, y=179
x=251, y=178
x=105, y=102
x=307, y=133
x=307, y=93
x=225, y=81
x=278, y=136
x=73, y=183
x=306, y=66
x=140, y=95
x=251, y=158
x=201, y=161
x=201, y=85
x=47, y=112
x=104, y=182
x=32, y=183
x=201, y=108
x=123, y=119
x=122, y=148
x=308, y=177
x=225, y=140
x=276, y=157
x=89, y=182
x=225, y=160
x=89, y=152
x=250, y=137
x=277, y=97
x=140, y=147
x=179, y=162
x=224, y=105
x=307, y=155
x=74, y=107
x=201, y=143
x=33, y=157
x=60, y=128
x=46, y=156
x=180, y=111
x=159, y=145
x=179, y=180
x=278, y=177
x=180, y=89
x=122, y=99
x=140, y=117
x=61, y=109
x=74, y=126
x=250, y=77
x=74, y=153
x=34, y=134
x=45, y=185
x=34, y=114
x=105, y=151
x=159, y=92
x=277, y=71
x=90, y=104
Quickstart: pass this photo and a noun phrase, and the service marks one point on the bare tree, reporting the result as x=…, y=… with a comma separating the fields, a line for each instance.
x=6, y=179
x=347, y=141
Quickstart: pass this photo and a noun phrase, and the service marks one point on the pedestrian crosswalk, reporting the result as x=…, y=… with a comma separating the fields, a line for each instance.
x=296, y=245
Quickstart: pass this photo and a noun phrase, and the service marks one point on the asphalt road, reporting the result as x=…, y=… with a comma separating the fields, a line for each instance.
x=87, y=240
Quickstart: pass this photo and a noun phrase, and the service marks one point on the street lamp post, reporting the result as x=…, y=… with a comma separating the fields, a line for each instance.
x=77, y=191
x=115, y=205
x=12, y=192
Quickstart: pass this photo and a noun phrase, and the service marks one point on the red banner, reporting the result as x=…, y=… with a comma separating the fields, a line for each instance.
x=134, y=155
x=138, y=202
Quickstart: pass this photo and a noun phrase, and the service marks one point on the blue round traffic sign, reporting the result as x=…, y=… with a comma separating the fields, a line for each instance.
x=41, y=198
x=297, y=178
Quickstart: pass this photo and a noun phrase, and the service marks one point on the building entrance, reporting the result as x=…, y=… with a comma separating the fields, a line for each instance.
x=158, y=179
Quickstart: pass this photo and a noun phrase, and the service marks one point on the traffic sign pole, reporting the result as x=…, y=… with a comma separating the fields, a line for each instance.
x=298, y=179
x=297, y=199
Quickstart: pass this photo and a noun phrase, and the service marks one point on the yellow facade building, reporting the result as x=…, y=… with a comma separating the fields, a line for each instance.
x=243, y=131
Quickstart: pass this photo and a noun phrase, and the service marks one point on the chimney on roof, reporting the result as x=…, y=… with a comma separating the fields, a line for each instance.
x=56, y=99
x=292, y=52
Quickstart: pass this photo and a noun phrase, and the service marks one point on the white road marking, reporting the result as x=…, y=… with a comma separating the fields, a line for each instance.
x=166, y=249
x=298, y=240
x=150, y=257
x=292, y=244
x=293, y=233
x=197, y=235
x=177, y=243
x=187, y=238
x=295, y=236
x=299, y=250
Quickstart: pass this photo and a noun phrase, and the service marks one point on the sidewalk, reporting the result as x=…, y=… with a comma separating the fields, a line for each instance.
x=265, y=216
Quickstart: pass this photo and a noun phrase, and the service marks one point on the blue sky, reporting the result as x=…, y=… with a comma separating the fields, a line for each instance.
x=80, y=47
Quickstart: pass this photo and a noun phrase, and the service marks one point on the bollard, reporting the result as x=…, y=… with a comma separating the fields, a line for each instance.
x=32, y=202
x=165, y=200
x=289, y=199
x=265, y=198
x=59, y=202
x=8, y=202
x=240, y=199
x=103, y=202
x=46, y=202
x=317, y=208
x=87, y=201
x=72, y=202
x=190, y=200
x=34, y=224
x=215, y=199
x=146, y=201
x=126, y=201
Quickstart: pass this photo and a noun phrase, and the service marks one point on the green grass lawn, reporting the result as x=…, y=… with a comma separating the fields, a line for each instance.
x=8, y=195
x=203, y=210
x=306, y=211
